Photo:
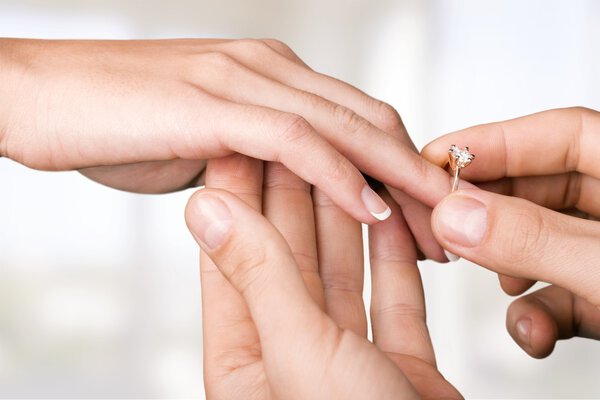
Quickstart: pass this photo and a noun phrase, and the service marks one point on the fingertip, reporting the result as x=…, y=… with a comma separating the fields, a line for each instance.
x=459, y=221
x=209, y=218
x=449, y=224
x=375, y=204
x=532, y=328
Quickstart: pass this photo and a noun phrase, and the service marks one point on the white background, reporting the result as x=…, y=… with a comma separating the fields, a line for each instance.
x=99, y=292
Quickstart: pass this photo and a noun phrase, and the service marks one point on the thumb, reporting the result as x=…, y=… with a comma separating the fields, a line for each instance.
x=541, y=318
x=515, y=237
x=305, y=354
x=256, y=260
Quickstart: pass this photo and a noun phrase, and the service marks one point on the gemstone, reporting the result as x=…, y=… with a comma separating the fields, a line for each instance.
x=461, y=157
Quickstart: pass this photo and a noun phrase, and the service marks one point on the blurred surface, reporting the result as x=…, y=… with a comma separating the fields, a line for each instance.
x=99, y=292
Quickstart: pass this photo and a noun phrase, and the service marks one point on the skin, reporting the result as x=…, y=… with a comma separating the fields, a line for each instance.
x=145, y=116
x=282, y=300
x=284, y=316
x=542, y=179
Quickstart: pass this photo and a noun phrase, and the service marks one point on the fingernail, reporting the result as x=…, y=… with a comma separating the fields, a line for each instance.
x=462, y=220
x=211, y=220
x=451, y=256
x=375, y=204
x=524, y=330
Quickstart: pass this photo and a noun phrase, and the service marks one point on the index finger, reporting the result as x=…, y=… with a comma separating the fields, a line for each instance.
x=549, y=142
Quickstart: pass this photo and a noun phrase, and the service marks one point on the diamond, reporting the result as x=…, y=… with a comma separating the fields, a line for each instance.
x=460, y=158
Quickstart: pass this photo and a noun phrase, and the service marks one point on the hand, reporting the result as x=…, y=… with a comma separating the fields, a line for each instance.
x=283, y=312
x=547, y=161
x=145, y=116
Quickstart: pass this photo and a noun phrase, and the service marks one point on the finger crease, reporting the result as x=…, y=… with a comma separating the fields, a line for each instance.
x=573, y=191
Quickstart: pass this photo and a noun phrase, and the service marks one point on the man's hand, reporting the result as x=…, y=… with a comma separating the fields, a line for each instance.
x=282, y=304
x=548, y=165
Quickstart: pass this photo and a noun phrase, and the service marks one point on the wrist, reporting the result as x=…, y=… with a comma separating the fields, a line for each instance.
x=13, y=66
x=4, y=96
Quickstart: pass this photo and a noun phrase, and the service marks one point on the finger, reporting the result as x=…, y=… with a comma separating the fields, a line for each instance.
x=287, y=204
x=272, y=135
x=296, y=74
x=515, y=237
x=384, y=117
x=292, y=72
x=397, y=302
x=340, y=250
x=255, y=259
x=565, y=137
x=417, y=216
x=285, y=51
x=348, y=132
x=299, y=344
x=537, y=321
x=514, y=286
x=558, y=192
x=258, y=264
x=338, y=111
x=229, y=334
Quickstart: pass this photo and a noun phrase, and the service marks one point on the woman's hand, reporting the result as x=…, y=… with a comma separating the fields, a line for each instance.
x=283, y=313
x=547, y=161
x=146, y=115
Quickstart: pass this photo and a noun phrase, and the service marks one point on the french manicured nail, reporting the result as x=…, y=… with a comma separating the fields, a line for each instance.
x=462, y=220
x=375, y=204
x=524, y=330
x=451, y=256
x=211, y=220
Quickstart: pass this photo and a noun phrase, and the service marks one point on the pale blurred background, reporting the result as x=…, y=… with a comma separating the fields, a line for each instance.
x=99, y=292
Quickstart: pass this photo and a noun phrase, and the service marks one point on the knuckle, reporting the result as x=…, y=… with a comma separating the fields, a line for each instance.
x=283, y=50
x=294, y=128
x=528, y=240
x=306, y=262
x=421, y=170
x=580, y=111
x=278, y=45
x=349, y=120
x=248, y=266
x=399, y=309
x=391, y=122
x=345, y=281
x=275, y=172
x=255, y=46
x=321, y=200
x=393, y=254
x=221, y=62
x=316, y=102
x=278, y=177
x=339, y=169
